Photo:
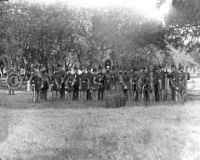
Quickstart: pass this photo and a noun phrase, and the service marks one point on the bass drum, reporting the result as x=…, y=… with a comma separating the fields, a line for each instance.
x=14, y=81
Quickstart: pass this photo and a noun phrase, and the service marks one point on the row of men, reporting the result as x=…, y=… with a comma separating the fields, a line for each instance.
x=141, y=85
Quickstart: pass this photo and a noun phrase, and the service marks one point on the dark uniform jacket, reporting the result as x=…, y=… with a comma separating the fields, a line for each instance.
x=84, y=81
x=140, y=80
x=56, y=81
x=37, y=81
x=134, y=81
x=173, y=79
x=45, y=82
x=147, y=85
x=182, y=81
x=156, y=77
x=100, y=78
x=162, y=75
x=126, y=80
x=1, y=64
x=90, y=77
x=107, y=81
x=68, y=82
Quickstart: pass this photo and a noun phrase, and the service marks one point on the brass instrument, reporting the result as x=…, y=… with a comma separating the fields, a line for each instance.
x=74, y=80
x=100, y=85
x=123, y=83
x=57, y=85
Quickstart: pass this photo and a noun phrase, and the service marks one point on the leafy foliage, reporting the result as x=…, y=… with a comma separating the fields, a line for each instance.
x=56, y=35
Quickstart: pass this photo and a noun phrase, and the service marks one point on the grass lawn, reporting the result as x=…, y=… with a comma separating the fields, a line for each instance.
x=87, y=131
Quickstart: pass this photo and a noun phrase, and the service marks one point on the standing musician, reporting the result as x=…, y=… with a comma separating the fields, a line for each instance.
x=130, y=89
x=107, y=81
x=156, y=83
x=36, y=82
x=80, y=73
x=69, y=84
x=55, y=85
x=114, y=78
x=182, y=82
x=124, y=86
x=84, y=84
x=94, y=86
x=166, y=85
x=62, y=74
x=126, y=83
x=108, y=77
x=173, y=82
x=134, y=84
x=11, y=70
x=75, y=84
x=140, y=85
x=152, y=95
x=90, y=81
x=147, y=85
x=162, y=77
x=2, y=67
x=45, y=85
x=99, y=80
x=160, y=84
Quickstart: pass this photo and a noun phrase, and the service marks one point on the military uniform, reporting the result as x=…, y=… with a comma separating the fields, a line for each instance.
x=80, y=73
x=11, y=71
x=147, y=86
x=107, y=82
x=2, y=67
x=69, y=85
x=75, y=85
x=45, y=86
x=162, y=77
x=55, y=85
x=99, y=80
x=157, y=83
x=36, y=82
x=140, y=85
x=134, y=83
x=62, y=74
x=166, y=85
x=173, y=83
x=127, y=84
x=90, y=82
x=93, y=85
x=114, y=79
x=152, y=94
x=182, y=82
x=84, y=84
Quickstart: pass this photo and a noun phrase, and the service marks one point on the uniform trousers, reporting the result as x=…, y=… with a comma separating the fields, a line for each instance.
x=75, y=93
x=100, y=93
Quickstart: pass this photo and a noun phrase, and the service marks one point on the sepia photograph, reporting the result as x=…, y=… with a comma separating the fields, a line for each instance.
x=99, y=79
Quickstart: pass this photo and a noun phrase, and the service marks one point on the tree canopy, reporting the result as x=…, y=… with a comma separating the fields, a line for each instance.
x=57, y=34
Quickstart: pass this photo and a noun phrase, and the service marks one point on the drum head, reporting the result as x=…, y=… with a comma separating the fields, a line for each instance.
x=14, y=81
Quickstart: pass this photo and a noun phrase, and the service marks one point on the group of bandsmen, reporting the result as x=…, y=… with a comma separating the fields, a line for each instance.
x=145, y=84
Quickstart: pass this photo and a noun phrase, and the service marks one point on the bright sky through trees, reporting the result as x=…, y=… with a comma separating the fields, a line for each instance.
x=147, y=7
